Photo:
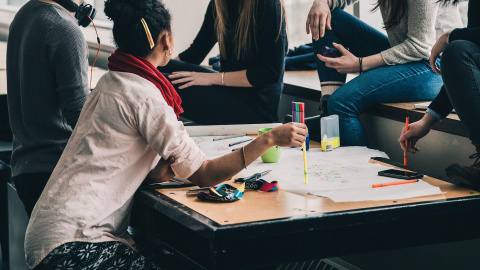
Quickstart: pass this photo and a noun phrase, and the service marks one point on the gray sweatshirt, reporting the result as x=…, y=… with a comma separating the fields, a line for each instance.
x=413, y=39
x=47, y=84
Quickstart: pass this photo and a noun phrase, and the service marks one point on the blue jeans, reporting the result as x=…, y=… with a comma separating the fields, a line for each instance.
x=414, y=81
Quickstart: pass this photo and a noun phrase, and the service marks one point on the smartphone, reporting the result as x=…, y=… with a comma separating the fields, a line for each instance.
x=331, y=52
x=400, y=174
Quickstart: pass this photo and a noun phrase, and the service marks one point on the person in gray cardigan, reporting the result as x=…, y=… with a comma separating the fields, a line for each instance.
x=47, y=85
x=392, y=69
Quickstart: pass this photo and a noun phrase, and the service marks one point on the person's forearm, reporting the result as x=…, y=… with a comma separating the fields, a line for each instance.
x=223, y=168
x=372, y=62
x=429, y=120
x=234, y=79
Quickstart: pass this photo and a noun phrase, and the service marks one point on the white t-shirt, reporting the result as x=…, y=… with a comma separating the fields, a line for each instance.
x=124, y=128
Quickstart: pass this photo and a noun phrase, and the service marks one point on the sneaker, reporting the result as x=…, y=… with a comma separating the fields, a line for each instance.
x=323, y=105
x=469, y=175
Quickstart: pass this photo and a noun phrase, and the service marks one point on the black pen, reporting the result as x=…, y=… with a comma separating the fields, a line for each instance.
x=229, y=137
x=235, y=143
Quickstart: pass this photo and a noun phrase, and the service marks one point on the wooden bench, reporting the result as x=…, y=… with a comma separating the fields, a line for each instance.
x=305, y=84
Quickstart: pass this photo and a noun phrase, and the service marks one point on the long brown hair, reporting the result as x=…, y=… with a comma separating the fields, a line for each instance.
x=395, y=11
x=245, y=29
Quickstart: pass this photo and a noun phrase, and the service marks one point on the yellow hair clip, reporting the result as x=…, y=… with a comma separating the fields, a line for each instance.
x=147, y=31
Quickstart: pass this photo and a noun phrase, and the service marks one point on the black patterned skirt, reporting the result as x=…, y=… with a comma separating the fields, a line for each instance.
x=103, y=255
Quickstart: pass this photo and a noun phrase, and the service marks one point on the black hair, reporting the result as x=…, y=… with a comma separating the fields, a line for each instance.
x=128, y=32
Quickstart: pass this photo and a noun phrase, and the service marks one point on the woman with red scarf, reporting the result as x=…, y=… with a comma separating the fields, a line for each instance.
x=128, y=131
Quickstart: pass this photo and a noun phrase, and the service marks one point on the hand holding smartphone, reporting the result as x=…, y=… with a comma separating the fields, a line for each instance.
x=331, y=52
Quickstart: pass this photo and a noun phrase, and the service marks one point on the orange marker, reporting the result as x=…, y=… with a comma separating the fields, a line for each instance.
x=406, y=143
x=395, y=183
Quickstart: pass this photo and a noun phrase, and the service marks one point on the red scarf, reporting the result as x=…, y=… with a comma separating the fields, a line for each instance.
x=125, y=62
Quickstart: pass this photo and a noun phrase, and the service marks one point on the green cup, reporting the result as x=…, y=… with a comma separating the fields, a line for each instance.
x=272, y=155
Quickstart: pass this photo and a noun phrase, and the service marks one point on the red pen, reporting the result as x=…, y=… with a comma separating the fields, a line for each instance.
x=406, y=143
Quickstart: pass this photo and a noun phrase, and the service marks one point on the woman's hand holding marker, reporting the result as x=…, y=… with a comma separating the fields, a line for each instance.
x=415, y=132
x=291, y=134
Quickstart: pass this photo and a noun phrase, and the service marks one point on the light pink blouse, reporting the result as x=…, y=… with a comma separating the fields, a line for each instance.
x=123, y=130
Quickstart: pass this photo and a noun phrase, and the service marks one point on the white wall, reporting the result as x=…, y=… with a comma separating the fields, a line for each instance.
x=187, y=19
x=372, y=18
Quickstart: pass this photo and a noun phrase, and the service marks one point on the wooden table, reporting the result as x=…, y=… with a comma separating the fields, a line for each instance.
x=279, y=227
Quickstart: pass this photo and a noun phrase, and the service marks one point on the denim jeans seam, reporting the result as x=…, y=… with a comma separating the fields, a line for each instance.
x=352, y=127
x=389, y=83
x=355, y=101
x=475, y=85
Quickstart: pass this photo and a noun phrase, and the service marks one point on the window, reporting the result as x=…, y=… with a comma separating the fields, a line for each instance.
x=15, y=3
x=99, y=6
x=297, y=11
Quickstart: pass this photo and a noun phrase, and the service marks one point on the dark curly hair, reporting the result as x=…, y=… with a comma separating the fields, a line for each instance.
x=128, y=32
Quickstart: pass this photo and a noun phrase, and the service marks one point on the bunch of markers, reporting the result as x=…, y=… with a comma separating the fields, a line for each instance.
x=298, y=116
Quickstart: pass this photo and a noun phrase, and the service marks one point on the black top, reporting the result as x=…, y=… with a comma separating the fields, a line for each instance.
x=265, y=66
x=472, y=32
x=441, y=104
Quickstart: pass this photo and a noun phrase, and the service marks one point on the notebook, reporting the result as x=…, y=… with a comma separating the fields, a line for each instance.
x=424, y=106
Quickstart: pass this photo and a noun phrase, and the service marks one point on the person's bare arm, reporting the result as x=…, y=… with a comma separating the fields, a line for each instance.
x=223, y=168
x=190, y=78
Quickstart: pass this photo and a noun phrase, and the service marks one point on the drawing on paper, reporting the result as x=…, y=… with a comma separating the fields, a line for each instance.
x=327, y=171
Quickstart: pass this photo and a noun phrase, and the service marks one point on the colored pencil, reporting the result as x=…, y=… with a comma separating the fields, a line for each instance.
x=235, y=143
x=394, y=183
x=305, y=162
x=229, y=137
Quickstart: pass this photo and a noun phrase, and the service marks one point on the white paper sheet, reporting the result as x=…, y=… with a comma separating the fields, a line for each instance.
x=421, y=188
x=341, y=175
x=214, y=149
x=223, y=130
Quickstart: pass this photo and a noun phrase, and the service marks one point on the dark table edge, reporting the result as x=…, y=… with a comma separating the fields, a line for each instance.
x=207, y=227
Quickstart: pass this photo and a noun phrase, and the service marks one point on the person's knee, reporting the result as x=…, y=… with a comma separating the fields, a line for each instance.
x=338, y=104
x=342, y=103
x=457, y=54
x=333, y=104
